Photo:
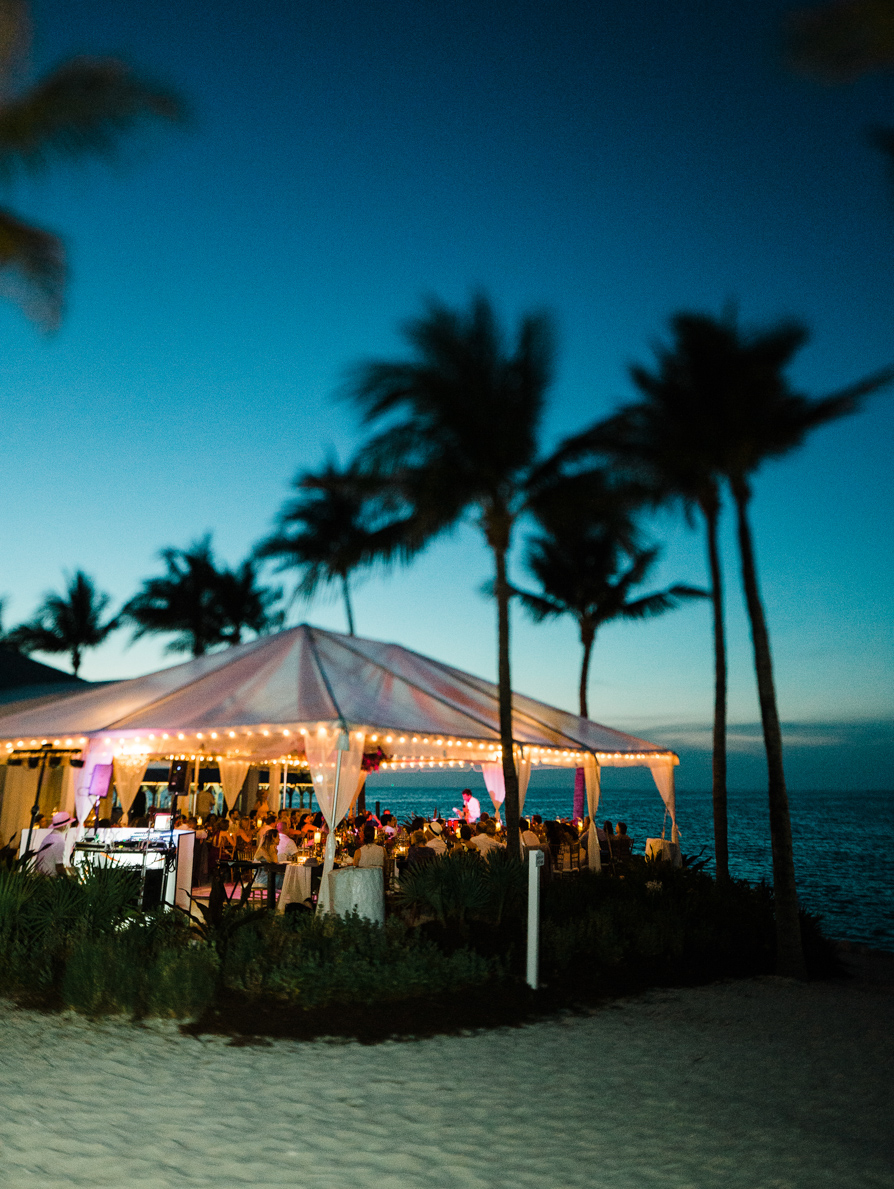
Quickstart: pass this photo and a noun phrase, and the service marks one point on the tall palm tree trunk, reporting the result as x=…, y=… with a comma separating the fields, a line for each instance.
x=510, y=775
x=789, y=950
x=346, y=592
x=711, y=511
x=587, y=636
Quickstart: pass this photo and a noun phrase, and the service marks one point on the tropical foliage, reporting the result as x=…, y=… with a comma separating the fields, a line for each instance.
x=83, y=107
x=201, y=605
x=68, y=623
x=457, y=426
x=339, y=522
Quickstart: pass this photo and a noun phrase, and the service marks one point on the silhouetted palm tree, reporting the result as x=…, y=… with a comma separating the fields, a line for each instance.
x=585, y=570
x=243, y=604
x=82, y=107
x=668, y=442
x=459, y=424
x=201, y=605
x=735, y=408
x=68, y=623
x=761, y=417
x=337, y=524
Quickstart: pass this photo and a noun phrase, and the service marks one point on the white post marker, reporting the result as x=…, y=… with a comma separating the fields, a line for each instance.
x=535, y=861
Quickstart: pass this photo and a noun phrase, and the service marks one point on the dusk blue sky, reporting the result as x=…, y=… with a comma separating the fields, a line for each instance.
x=610, y=162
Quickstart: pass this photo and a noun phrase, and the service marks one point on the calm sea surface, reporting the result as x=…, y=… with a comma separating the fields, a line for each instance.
x=843, y=843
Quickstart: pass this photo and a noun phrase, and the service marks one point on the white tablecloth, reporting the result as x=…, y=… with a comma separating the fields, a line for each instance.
x=360, y=890
x=295, y=885
x=663, y=848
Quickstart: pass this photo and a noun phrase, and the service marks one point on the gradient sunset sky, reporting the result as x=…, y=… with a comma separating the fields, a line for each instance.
x=611, y=162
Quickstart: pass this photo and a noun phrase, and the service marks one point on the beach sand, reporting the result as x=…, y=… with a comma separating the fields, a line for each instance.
x=759, y=1083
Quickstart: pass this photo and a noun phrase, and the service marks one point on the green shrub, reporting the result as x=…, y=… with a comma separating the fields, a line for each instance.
x=312, y=961
x=461, y=886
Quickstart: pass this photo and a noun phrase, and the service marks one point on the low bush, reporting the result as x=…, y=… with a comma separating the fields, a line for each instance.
x=311, y=961
x=655, y=925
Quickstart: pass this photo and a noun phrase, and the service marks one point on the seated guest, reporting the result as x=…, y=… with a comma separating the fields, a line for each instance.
x=265, y=853
x=465, y=838
x=370, y=854
x=486, y=838
x=389, y=825
x=528, y=837
x=419, y=853
x=622, y=843
x=285, y=846
x=435, y=838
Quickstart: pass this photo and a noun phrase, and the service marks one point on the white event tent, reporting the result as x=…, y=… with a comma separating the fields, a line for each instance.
x=308, y=696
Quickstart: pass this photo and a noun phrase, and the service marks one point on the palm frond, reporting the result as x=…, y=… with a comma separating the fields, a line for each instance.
x=32, y=269
x=84, y=107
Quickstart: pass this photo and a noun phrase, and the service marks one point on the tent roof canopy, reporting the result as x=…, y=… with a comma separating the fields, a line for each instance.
x=253, y=696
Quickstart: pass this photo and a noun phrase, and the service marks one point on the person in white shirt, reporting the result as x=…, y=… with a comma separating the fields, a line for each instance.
x=370, y=854
x=285, y=846
x=471, y=807
x=528, y=837
x=435, y=840
x=486, y=838
x=50, y=859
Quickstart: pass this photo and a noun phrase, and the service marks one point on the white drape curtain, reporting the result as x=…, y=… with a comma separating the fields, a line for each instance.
x=663, y=775
x=495, y=784
x=591, y=783
x=232, y=778
x=129, y=771
x=334, y=758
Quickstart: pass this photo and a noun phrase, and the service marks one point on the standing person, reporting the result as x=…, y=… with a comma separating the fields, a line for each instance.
x=471, y=810
x=50, y=859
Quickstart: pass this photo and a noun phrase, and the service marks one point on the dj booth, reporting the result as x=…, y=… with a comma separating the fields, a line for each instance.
x=163, y=858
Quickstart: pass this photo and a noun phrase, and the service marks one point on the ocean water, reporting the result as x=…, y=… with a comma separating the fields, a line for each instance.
x=843, y=842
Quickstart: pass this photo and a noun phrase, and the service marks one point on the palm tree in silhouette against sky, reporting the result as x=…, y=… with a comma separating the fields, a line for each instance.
x=734, y=408
x=81, y=108
x=338, y=523
x=458, y=423
x=588, y=566
x=668, y=444
x=200, y=605
x=68, y=623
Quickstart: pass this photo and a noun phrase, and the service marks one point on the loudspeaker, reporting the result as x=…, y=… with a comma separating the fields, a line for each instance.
x=178, y=779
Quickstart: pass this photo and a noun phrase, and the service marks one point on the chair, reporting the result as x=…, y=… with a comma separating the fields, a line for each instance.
x=568, y=859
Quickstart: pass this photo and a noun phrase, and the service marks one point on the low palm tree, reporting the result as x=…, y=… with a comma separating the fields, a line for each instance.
x=338, y=523
x=68, y=622
x=83, y=107
x=458, y=426
x=586, y=570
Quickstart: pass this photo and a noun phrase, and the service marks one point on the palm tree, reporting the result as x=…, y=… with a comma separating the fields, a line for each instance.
x=726, y=392
x=338, y=523
x=82, y=107
x=458, y=428
x=761, y=417
x=69, y=622
x=669, y=446
x=243, y=604
x=585, y=570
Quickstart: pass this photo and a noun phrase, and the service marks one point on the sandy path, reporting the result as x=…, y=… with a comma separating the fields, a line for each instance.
x=762, y=1084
